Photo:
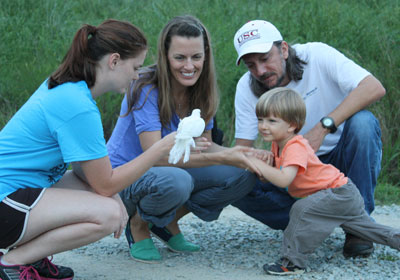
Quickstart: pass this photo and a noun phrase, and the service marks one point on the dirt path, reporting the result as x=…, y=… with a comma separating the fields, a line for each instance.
x=234, y=247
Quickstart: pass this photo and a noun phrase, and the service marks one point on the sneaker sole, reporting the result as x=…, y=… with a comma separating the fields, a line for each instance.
x=145, y=261
x=299, y=271
x=362, y=253
x=45, y=278
x=141, y=260
x=285, y=273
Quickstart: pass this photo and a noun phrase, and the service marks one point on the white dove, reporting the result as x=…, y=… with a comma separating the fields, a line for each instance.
x=189, y=127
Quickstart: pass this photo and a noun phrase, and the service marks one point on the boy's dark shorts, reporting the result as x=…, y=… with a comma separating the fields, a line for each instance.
x=14, y=214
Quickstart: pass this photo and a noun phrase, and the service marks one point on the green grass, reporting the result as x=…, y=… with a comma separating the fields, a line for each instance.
x=387, y=194
x=36, y=34
x=388, y=257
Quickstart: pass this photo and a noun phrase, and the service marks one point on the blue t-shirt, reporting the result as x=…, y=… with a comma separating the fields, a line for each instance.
x=124, y=144
x=53, y=128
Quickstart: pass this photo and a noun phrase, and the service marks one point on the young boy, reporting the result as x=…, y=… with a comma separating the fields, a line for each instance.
x=327, y=198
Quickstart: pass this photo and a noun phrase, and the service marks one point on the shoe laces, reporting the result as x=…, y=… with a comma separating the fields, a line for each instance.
x=51, y=267
x=28, y=273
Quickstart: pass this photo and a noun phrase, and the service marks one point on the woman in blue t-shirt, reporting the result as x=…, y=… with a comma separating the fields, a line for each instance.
x=45, y=209
x=183, y=79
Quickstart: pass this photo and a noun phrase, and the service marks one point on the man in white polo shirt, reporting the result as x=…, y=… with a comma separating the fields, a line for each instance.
x=336, y=92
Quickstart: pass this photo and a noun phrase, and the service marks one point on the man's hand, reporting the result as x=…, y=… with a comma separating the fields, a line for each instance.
x=316, y=136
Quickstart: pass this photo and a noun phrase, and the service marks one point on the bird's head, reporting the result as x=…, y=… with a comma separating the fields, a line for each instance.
x=196, y=112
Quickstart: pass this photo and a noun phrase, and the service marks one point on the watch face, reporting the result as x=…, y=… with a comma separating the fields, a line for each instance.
x=327, y=122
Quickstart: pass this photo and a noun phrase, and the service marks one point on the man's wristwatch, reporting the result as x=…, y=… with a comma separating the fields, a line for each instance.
x=328, y=123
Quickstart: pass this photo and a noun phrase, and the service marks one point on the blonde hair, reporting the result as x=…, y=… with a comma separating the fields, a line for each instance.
x=283, y=103
x=202, y=95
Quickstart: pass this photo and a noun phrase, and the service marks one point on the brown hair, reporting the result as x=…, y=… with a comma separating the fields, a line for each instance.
x=283, y=103
x=89, y=46
x=202, y=95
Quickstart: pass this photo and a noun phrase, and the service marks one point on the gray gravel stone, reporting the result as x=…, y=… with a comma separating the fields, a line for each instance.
x=233, y=247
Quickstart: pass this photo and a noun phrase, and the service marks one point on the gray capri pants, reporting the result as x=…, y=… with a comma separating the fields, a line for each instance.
x=204, y=191
x=313, y=219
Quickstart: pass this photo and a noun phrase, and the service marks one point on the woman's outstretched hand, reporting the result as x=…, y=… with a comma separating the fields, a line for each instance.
x=239, y=156
x=202, y=144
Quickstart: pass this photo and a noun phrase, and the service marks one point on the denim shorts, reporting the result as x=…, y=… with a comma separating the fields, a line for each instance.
x=14, y=214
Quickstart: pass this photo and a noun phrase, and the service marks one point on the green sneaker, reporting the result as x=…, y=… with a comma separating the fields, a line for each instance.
x=176, y=243
x=145, y=251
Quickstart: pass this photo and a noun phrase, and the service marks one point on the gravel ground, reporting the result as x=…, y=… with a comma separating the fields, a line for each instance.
x=233, y=247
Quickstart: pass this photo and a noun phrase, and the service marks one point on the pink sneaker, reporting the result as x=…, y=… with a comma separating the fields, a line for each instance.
x=40, y=270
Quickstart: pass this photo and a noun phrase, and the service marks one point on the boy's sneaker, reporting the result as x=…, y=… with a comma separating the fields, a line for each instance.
x=283, y=267
x=355, y=246
x=41, y=270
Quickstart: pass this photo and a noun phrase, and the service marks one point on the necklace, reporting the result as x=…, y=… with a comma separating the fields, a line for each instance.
x=181, y=110
x=181, y=105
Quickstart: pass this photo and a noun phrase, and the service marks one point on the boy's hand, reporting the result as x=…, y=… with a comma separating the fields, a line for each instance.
x=240, y=156
x=253, y=159
x=267, y=157
x=263, y=155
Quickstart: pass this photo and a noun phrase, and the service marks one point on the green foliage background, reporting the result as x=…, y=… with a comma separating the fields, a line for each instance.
x=35, y=35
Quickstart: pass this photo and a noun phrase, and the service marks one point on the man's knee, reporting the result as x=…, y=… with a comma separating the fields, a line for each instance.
x=246, y=182
x=362, y=138
x=363, y=126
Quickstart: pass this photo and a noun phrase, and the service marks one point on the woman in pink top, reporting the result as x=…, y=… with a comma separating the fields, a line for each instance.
x=328, y=198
